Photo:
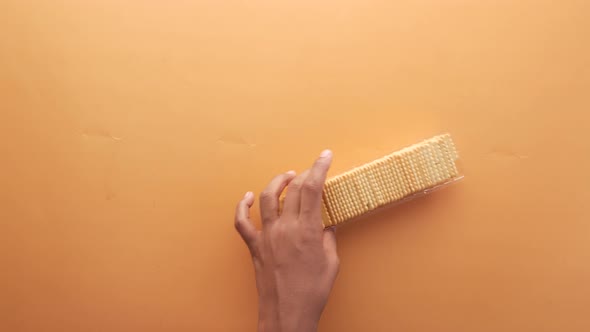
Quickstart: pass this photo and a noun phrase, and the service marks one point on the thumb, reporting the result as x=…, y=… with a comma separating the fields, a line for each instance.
x=330, y=242
x=242, y=221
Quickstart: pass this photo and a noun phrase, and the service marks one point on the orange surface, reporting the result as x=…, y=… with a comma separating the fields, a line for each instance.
x=128, y=130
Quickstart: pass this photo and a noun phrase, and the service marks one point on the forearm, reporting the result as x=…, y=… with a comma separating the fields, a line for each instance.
x=273, y=319
x=287, y=325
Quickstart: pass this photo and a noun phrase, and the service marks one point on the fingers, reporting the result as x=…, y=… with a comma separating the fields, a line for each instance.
x=312, y=188
x=242, y=221
x=269, y=198
x=293, y=199
x=330, y=247
x=330, y=241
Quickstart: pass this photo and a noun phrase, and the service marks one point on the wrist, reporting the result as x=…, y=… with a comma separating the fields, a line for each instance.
x=272, y=319
x=282, y=326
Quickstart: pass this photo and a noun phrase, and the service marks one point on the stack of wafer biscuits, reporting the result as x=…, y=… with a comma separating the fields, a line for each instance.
x=390, y=179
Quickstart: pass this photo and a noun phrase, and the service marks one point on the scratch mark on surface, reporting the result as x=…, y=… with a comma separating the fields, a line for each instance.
x=506, y=154
x=234, y=139
x=100, y=134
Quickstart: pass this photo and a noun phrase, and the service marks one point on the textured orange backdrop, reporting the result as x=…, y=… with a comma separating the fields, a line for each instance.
x=128, y=130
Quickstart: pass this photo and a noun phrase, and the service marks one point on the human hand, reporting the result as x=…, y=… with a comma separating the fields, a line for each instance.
x=295, y=259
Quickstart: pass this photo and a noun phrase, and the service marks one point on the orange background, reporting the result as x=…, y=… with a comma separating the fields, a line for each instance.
x=129, y=129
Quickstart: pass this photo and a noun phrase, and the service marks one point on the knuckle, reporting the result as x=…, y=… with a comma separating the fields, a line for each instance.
x=321, y=166
x=320, y=162
x=312, y=185
x=266, y=195
x=295, y=185
x=238, y=223
x=307, y=210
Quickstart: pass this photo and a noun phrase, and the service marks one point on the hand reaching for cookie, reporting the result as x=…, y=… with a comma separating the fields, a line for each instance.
x=295, y=259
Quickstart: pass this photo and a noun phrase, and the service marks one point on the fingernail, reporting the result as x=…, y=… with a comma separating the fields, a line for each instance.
x=248, y=195
x=325, y=154
x=291, y=172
